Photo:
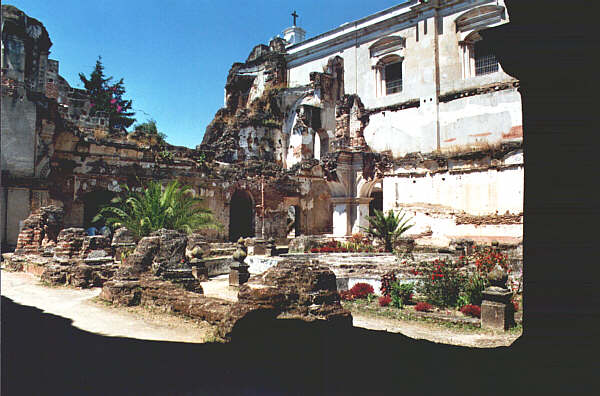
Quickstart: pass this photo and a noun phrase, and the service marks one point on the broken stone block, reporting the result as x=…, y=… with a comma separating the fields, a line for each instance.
x=95, y=243
x=172, y=246
x=55, y=274
x=297, y=290
x=199, y=269
x=238, y=275
x=40, y=230
x=141, y=258
x=69, y=243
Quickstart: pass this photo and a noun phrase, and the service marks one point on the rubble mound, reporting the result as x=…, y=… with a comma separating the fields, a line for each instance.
x=40, y=230
x=289, y=290
x=305, y=291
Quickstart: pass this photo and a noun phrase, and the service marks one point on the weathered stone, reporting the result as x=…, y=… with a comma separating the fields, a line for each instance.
x=69, y=243
x=199, y=269
x=40, y=230
x=496, y=309
x=121, y=292
x=238, y=273
x=84, y=276
x=171, y=252
x=496, y=315
x=55, y=274
x=141, y=258
x=94, y=254
x=307, y=291
x=95, y=244
x=304, y=243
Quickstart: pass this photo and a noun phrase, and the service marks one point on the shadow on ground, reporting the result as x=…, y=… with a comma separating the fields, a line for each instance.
x=45, y=354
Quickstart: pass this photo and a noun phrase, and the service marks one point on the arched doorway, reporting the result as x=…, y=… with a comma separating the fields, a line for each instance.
x=92, y=203
x=241, y=216
x=293, y=221
x=377, y=201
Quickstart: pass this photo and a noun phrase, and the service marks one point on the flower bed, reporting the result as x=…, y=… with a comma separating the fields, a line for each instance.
x=355, y=244
x=452, y=284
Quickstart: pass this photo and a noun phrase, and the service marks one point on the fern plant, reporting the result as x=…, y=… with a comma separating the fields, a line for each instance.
x=387, y=227
x=172, y=207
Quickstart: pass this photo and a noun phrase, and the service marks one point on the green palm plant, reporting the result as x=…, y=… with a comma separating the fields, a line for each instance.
x=387, y=227
x=172, y=207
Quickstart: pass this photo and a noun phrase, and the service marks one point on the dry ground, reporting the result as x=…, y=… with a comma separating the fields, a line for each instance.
x=90, y=314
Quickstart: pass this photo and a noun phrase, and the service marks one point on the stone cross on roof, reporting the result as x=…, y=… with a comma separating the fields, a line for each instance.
x=295, y=16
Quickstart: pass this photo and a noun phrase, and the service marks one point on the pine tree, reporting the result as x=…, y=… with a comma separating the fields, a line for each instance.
x=108, y=98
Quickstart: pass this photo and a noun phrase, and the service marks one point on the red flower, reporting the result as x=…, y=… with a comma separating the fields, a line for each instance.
x=423, y=307
x=385, y=301
x=361, y=290
x=471, y=310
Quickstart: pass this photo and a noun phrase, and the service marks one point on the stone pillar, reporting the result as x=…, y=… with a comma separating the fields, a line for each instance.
x=238, y=274
x=271, y=249
x=362, y=215
x=497, y=311
x=340, y=217
x=199, y=269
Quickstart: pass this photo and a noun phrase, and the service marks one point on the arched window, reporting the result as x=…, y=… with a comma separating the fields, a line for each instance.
x=389, y=75
x=478, y=57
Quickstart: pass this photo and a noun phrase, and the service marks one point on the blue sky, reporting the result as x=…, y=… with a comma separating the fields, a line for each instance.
x=174, y=55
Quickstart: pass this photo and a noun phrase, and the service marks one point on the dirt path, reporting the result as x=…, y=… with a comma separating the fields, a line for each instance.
x=89, y=314
x=435, y=333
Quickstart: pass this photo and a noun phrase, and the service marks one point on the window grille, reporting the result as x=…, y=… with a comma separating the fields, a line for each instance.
x=486, y=64
x=393, y=78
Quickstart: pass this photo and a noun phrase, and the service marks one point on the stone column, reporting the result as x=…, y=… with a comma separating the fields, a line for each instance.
x=238, y=274
x=497, y=311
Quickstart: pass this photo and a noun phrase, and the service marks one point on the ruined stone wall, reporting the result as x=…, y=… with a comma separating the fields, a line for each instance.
x=477, y=197
x=443, y=106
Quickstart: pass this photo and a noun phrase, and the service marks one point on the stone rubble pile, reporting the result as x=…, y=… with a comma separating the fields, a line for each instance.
x=289, y=290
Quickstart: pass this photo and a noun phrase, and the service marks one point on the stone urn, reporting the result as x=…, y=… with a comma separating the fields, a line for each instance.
x=196, y=261
x=496, y=309
x=271, y=248
x=238, y=273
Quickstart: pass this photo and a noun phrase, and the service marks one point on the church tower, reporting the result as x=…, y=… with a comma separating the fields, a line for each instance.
x=294, y=34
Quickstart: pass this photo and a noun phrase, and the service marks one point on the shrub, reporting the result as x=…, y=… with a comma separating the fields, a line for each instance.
x=486, y=258
x=423, y=307
x=173, y=207
x=386, y=283
x=387, y=227
x=401, y=293
x=384, y=301
x=346, y=295
x=463, y=300
x=361, y=290
x=441, y=282
x=370, y=297
x=473, y=288
x=471, y=310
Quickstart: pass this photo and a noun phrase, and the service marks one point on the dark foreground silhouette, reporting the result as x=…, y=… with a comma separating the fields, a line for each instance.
x=45, y=354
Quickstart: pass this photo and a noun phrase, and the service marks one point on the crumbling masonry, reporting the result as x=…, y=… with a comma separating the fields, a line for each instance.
x=405, y=109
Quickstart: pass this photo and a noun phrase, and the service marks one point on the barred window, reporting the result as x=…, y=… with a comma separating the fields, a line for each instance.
x=393, y=78
x=485, y=59
x=478, y=57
